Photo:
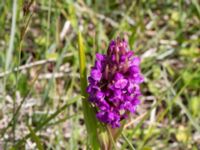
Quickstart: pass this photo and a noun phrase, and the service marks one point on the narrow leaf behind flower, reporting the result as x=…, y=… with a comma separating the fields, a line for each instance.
x=88, y=111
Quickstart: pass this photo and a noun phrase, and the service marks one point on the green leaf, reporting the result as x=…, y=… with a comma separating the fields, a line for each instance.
x=88, y=110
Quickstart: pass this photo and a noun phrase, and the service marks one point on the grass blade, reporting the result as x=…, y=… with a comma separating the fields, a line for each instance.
x=192, y=120
x=12, y=36
x=46, y=121
x=127, y=140
x=196, y=4
x=57, y=113
x=35, y=138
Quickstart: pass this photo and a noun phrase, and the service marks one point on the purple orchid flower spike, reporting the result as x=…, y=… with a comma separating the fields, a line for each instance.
x=114, y=83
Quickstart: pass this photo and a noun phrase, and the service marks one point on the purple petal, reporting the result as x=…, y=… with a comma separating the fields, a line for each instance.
x=99, y=95
x=100, y=57
x=96, y=74
x=136, y=61
x=120, y=84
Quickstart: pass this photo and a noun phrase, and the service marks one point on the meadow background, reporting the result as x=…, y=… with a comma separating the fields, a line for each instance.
x=40, y=101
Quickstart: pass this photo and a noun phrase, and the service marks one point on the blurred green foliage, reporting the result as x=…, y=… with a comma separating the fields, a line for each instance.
x=43, y=74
